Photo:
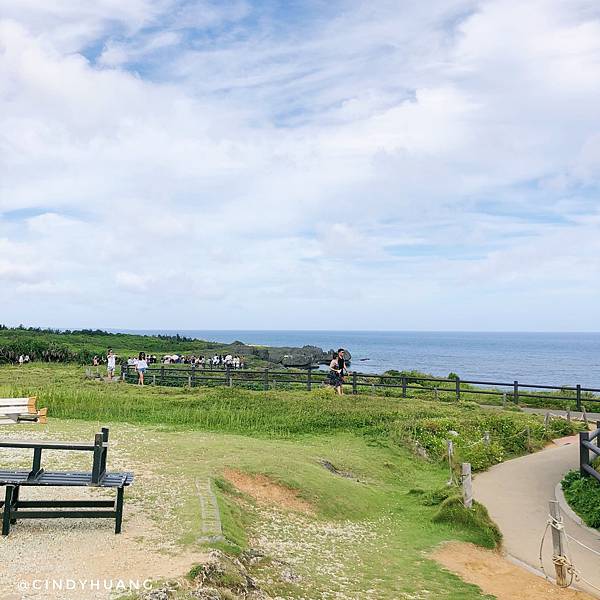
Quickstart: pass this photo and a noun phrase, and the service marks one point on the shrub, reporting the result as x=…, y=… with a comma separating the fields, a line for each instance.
x=583, y=496
x=453, y=511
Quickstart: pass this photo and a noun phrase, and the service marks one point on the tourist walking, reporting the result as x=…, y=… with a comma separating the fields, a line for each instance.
x=142, y=366
x=111, y=362
x=337, y=366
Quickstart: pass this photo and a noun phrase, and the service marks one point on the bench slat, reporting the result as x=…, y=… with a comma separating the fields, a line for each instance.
x=49, y=445
x=18, y=401
x=64, y=479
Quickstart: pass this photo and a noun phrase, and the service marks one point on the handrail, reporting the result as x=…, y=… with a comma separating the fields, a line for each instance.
x=194, y=375
x=585, y=447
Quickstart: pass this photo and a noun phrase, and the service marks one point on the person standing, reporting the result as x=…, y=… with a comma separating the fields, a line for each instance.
x=142, y=366
x=111, y=362
x=337, y=366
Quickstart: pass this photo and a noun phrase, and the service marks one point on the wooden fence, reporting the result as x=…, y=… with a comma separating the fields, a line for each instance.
x=266, y=379
x=585, y=447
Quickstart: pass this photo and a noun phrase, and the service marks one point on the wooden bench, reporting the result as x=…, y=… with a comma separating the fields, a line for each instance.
x=15, y=508
x=19, y=410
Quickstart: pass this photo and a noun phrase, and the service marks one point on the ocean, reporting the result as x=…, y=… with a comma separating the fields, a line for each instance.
x=532, y=358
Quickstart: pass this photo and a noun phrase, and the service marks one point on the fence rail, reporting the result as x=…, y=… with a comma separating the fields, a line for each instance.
x=356, y=382
x=586, y=445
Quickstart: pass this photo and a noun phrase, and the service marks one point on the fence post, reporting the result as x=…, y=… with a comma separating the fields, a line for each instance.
x=450, y=452
x=467, y=487
x=266, y=380
x=309, y=378
x=578, y=397
x=403, y=386
x=228, y=381
x=598, y=437
x=558, y=546
x=458, y=388
x=516, y=392
x=354, y=386
x=584, y=453
x=153, y=379
x=162, y=374
x=193, y=375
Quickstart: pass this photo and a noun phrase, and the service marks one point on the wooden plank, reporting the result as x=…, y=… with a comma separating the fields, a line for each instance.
x=14, y=401
x=14, y=410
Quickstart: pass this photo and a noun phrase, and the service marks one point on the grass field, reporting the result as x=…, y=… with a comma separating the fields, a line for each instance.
x=367, y=535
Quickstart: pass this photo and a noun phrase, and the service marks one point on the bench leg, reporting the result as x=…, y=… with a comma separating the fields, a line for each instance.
x=7, y=507
x=15, y=502
x=119, y=509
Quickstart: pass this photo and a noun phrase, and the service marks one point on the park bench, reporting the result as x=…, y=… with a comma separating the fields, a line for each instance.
x=15, y=508
x=19, y=410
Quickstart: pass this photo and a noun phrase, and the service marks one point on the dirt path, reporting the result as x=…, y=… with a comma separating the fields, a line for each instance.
x=497, y=576
x=517, y=493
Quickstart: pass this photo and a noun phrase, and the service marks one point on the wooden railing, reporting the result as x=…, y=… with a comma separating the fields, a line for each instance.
x=586, y=446
x=356, y=382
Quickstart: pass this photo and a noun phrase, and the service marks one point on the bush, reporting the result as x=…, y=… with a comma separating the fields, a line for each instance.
x=453, y=511
x=583, y=496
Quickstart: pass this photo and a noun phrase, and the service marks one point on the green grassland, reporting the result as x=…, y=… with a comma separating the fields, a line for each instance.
x=81, y=346
x=371, y=530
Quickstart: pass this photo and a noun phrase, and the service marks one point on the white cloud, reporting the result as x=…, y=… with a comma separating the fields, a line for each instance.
x=235, y=169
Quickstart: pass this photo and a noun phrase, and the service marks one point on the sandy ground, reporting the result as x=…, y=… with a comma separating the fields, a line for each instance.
x=267, y=491
x=496, y=575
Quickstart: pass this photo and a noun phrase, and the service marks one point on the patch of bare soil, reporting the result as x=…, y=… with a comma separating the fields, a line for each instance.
x=497, y=576
x=267, y=491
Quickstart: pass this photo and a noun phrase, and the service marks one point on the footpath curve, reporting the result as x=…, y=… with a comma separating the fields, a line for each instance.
x=516, y=494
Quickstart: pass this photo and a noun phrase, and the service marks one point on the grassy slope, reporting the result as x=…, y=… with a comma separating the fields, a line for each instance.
x=284, y=436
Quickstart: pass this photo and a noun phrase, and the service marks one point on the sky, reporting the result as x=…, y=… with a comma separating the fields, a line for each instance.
x=314, y=164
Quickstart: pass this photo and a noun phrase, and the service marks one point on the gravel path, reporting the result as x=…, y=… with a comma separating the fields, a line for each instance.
x=82, y=559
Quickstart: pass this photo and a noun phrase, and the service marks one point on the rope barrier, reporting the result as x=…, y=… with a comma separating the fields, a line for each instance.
x=565, y=561
x=582, y=544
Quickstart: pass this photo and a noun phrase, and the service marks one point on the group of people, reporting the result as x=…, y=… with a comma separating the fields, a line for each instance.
x=140, y=363
x=338, y=367
x=218, y=360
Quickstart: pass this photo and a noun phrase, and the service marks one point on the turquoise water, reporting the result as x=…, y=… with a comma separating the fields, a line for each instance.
x=535, y=358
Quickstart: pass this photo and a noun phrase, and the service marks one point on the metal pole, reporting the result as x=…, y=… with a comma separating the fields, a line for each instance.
x=578, y=404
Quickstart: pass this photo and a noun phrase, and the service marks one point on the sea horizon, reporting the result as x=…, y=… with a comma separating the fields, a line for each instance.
x=549, y=358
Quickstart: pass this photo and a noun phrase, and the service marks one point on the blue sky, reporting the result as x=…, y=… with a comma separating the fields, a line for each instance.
x=237, y=164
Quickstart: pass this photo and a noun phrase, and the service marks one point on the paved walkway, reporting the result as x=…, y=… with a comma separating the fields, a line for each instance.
x=516, y=494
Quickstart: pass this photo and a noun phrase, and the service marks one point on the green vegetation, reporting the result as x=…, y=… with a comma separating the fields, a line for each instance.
x=583, y=496
x=418, y=423
x=51, y=345
x=369, y=523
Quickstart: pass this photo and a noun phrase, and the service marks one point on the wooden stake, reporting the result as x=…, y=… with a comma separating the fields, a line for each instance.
x=467, y=487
